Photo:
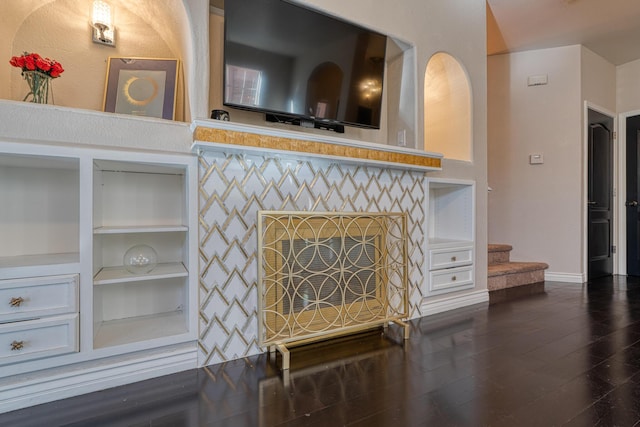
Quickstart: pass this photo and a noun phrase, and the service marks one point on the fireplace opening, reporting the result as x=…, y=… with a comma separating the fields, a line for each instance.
x=330, y=273
x=325, y=274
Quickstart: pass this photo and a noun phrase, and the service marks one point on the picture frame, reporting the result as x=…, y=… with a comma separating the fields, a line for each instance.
x=142, y=86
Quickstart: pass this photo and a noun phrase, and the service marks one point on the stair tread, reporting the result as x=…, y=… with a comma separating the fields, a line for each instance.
x=515, y=267
x=499, y=247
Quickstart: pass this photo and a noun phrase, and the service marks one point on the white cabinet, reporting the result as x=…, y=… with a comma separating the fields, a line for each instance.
x=68, y=214
x=36, y=297
x=39, y=252
x=450, y=235
x=38, y=317
x=142, y=203
x=38, y=338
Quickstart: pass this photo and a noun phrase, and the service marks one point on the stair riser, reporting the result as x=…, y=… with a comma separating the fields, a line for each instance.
x=517, y=279
x=500, y=257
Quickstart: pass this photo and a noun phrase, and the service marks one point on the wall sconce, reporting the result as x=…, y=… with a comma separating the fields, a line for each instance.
x=102, y=32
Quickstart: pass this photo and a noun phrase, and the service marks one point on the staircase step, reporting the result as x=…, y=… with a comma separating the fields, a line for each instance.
x=512, y=274
x=499, y=254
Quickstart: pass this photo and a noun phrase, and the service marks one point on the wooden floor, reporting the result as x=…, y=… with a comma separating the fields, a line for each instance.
x=569, y=355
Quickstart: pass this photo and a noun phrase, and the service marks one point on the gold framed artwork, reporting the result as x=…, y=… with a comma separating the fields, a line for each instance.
x=142, y=86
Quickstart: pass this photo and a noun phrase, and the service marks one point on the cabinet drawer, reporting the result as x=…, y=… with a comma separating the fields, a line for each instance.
x=37, y=297
x=450, y=257
x=450, y=279
x=33, y=339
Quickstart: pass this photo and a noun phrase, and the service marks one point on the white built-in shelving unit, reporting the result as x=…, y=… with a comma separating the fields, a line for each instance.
x=68, y=215
x=138, y=203
x=450, y=235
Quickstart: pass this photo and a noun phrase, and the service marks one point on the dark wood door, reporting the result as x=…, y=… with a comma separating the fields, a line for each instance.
x=633, y=187
x=600, y=201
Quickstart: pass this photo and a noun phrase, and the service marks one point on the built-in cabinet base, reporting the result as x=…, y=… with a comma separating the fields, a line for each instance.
x=77, y=314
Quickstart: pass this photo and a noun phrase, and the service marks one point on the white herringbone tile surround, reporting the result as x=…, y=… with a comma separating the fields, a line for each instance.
x=234, y=187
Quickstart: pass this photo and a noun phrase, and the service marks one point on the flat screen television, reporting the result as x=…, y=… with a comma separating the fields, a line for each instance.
x=301, y=66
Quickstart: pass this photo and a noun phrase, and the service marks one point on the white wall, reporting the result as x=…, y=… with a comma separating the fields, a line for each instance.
x=598, y=78
x=537, y=208
x=628, y=87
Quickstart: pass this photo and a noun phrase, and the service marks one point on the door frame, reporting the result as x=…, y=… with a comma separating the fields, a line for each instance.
x=621, y=179
x=585, y=190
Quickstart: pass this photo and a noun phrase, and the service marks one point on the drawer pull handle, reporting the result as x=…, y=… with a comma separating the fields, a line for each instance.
x=454, y=278
x=16, y=302
x=17, y=345
x=453, y=259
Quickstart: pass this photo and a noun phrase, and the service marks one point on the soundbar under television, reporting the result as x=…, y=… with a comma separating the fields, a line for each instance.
x=301, y=66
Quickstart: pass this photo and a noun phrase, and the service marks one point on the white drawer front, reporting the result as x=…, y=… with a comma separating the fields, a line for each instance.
x=37, y=297
x=446, y=258
x=33, y=339
x=450, y=279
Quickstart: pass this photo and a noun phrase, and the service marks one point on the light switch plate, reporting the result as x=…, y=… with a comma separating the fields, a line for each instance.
x=536, y=159
x=539, y=80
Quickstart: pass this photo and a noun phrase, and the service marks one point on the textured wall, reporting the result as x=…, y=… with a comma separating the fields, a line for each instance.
x=233, y=188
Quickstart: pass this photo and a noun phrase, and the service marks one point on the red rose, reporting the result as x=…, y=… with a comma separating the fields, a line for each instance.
x=56, y=70
x=29, y=63
x=43, y=64
x=17, y=61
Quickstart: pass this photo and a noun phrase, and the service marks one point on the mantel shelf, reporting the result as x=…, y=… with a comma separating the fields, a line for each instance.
x=228, y=137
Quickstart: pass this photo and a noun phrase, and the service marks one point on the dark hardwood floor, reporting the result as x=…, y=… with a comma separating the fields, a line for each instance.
x=569, y=355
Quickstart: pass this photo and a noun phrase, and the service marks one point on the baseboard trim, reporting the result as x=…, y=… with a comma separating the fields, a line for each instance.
x=48, y=386
x=441, y=305
x=564, y=277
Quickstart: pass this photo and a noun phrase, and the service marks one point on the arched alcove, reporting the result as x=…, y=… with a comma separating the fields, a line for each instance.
x=447, y=108
x=60, y=29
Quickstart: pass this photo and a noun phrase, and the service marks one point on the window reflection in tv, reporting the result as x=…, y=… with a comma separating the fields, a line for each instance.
x=284, y=59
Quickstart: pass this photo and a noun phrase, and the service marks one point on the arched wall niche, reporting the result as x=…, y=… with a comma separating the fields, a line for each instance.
x=447, y=108
x=60, y=29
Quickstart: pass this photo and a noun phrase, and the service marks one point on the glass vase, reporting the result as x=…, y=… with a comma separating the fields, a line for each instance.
x=38, y=86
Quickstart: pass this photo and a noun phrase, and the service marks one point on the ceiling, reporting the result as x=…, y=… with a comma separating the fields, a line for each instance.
x=610, y=28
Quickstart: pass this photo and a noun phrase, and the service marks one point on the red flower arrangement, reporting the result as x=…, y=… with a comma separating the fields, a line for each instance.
x=34, y=62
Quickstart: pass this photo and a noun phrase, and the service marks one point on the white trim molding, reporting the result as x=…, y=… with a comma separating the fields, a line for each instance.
x=428, y=307
x=60, y=383
x=552, y=276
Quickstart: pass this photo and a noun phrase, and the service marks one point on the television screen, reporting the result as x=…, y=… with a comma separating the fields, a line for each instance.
x=284, y=59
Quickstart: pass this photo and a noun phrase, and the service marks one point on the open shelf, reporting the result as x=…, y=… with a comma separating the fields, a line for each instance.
x=40, y=259
x=40, y=214
x=140, y=229
x=451, y=213
x=110, y=275
x=140, y=328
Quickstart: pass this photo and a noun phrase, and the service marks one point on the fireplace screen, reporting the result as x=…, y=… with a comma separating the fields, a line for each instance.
x=329, y=273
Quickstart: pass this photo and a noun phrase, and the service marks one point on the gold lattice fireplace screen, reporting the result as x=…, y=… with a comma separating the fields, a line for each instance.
x=327, y=274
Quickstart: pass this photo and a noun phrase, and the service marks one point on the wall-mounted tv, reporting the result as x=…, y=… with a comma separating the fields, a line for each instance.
x=301, y=66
